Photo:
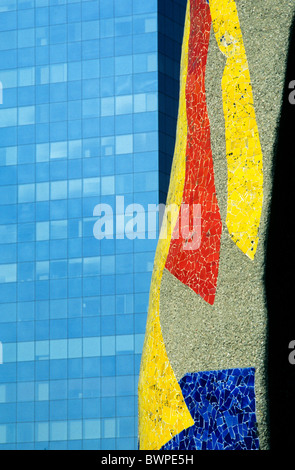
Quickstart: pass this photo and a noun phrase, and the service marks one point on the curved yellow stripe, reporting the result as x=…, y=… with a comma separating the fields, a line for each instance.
x=162, y=409
x=244, y=155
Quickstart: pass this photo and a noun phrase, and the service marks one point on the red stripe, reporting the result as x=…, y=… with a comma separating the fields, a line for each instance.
x=198, y=268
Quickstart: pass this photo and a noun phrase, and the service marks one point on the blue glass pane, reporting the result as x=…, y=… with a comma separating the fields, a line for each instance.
x=78, y=127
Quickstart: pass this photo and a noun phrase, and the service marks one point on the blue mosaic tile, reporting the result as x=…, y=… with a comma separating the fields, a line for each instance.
x=222, y=404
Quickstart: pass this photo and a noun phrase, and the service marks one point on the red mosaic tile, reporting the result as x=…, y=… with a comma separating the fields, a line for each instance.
x=198, y=267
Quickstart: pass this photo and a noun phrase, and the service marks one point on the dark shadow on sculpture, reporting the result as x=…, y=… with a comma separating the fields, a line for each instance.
x=280, y=273
x=171, y=26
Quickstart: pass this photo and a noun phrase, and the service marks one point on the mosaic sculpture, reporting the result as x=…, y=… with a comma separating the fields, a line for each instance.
x=213, y=404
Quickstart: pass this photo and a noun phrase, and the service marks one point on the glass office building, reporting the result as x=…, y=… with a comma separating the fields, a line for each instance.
x=89, y=96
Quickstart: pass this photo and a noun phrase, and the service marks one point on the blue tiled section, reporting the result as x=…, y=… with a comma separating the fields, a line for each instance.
x=222, y=404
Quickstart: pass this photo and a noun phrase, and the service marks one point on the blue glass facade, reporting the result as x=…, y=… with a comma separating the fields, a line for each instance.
x=90, y=91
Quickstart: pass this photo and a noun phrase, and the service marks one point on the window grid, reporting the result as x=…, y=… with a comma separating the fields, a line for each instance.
x=79, y=125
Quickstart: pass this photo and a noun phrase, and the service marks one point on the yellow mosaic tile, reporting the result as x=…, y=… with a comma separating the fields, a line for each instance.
x=162, y=409
x=243, y=150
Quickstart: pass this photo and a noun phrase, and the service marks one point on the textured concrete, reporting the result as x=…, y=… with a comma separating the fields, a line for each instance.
x=233, y=332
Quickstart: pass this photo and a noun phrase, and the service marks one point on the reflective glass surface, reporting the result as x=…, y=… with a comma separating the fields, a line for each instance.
x=80, y=125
